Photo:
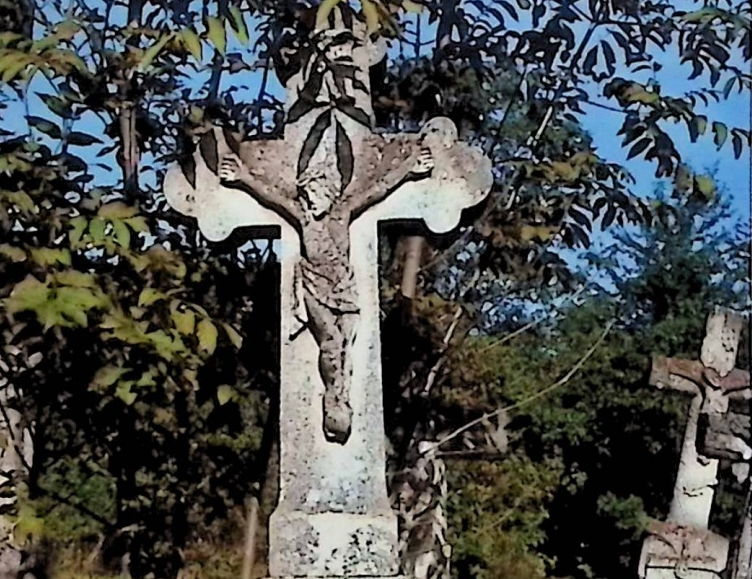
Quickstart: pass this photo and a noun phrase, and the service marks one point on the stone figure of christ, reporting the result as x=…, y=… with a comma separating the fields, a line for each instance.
x=322, y=213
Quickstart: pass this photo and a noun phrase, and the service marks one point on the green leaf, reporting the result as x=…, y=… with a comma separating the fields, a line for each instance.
x=44, y=126
x=729, y=87
x=78, y=225
x=28, y=294
x=60, y=106
x=192, y=42
x=79, y=297
x=738, y=145
x=153, y=51
x=46, y=256
x=96, y=230
x=82, y=139
x=216, y=34
x=122, y=233
x=721, y=133
x=239, y=25
x=207, y=336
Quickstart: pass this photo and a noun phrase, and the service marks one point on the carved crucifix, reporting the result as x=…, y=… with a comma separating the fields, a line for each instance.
x=684, y=541
x=327, y=185
x=729, y=436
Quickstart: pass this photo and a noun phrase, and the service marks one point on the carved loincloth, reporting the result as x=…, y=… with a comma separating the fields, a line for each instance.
x=339, y=296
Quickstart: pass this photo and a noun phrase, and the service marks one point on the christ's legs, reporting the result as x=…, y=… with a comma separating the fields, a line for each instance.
x=333, y=333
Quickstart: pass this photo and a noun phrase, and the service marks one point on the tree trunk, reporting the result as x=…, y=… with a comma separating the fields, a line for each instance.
x=413, y=254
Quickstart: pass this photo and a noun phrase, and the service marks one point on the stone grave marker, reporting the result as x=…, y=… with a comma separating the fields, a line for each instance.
x=683, y=546
x=327, y=185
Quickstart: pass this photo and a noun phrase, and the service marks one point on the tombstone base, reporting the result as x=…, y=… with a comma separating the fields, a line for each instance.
x=673, y=550
x=330, y=545
x=671, y=573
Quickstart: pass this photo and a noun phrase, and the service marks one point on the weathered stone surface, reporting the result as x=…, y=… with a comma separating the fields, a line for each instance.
x=725, y=436
x=674, y=550
x=683, y=546
x=327, y=185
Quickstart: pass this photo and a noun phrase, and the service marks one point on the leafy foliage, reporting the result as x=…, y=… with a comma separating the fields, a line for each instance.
x=150, y=338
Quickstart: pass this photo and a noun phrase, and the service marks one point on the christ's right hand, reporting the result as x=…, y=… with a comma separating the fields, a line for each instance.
x=229, y=169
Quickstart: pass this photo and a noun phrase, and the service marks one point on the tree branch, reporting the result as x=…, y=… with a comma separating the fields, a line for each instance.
x=561, y=382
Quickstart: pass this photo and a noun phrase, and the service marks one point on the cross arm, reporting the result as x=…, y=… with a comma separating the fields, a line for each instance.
x=398, y=159
x=736, y=384
x=725, y=436
x=264, y=172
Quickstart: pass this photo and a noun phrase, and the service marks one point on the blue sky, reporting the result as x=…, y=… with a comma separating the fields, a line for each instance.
x=733, y=174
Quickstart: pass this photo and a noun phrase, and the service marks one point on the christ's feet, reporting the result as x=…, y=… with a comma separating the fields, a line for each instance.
x=337, y=418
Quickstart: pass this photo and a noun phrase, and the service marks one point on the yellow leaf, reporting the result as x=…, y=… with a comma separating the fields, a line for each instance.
x=12, y=65
x=20, y=199
x=239, y=25
x=75, y=278
x=96, y=230
x=149, y=296
x=371, y=13
x=216, y=33
x=411, y=6
x=14, y=254
x=7, y=38
x=123, y=391
x=185, y=322
x=153, y=51
x=233, y=336
x=225, y=393
x=207, y=336
x=324, y=11
x=534, y=232
x=706, y=186
x=107, y=376
x=117, y=210
x=193, y=43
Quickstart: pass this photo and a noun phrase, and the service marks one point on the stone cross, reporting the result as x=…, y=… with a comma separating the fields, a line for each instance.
x=684, y=544
x=327, y=185
x=729, y=436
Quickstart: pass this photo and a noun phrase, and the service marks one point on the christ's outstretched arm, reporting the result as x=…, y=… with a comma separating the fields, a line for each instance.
x=262, y=188
x=418, y=164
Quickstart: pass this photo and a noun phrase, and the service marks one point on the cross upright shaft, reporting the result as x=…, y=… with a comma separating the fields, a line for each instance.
x=712, y=381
